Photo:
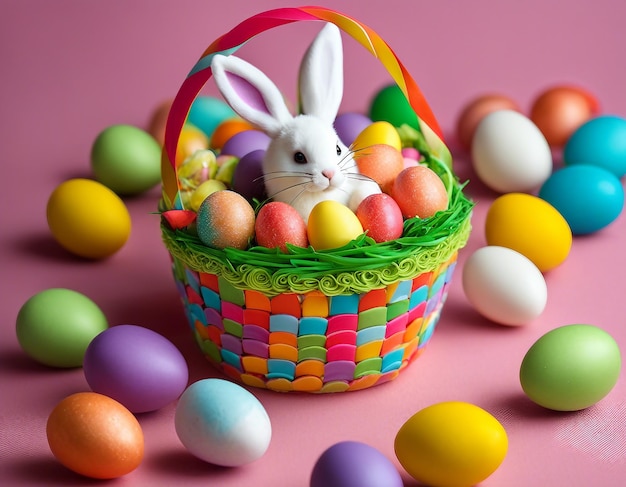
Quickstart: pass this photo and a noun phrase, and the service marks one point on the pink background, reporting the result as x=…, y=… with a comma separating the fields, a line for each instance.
x=71, y=68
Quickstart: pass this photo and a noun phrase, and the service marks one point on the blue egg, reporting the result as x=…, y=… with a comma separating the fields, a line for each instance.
x=207, y=113
x=589, y=197
x=600, y=141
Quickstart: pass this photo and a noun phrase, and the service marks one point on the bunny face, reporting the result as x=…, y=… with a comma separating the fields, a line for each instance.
x=305, y=162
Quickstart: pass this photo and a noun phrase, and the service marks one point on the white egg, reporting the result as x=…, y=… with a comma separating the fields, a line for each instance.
x=509, y=153
x=504, y=285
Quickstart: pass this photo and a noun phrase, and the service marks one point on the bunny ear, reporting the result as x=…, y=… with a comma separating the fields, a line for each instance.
x=250, y=93
x=321, y=75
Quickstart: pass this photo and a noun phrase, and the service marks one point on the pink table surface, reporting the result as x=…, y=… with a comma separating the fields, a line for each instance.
x=71, y=68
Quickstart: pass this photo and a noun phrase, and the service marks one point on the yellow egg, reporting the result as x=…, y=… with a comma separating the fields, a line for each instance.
x=531, y=226
x=378, y=133
x=87, y=218
x=451, y=444
x=332, y=225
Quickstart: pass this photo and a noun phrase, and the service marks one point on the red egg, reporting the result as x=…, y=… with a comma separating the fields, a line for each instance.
x=476, y=110
x=278, y=224
x=419, y=192
x=381, y=217
x=560, y=110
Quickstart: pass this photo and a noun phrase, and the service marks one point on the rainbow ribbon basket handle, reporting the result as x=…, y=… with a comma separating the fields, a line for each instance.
x=249, y=28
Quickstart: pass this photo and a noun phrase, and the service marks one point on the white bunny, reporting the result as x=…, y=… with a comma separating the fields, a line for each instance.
x=305, y=162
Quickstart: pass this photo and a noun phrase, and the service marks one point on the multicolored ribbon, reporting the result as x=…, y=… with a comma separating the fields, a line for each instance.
x=246, y=30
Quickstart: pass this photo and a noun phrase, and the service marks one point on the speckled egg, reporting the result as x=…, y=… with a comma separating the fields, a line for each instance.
x=278, y=224
x=222, y=423
x=225, y=219
x=419, y=192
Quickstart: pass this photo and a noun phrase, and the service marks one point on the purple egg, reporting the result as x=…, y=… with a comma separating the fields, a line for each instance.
x=248, y=176
x=349, y=125
x=246, y=141
x=354, y=464
x=136, y=366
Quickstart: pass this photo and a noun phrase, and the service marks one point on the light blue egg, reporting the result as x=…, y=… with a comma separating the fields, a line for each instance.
x=600, y=141
x=589, y=197
x=207, y=113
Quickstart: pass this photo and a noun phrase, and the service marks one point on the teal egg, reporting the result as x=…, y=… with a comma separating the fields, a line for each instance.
x=600, y=141
x=126, y=159
x=208, y=112
x=56, y=326
x=589, y=197
x=571, y=367
x=390, y=105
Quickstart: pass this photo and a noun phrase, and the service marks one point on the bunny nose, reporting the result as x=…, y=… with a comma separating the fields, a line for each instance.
x=328, y=173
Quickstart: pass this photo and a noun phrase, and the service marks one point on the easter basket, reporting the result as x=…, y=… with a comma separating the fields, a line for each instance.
x=339, y=319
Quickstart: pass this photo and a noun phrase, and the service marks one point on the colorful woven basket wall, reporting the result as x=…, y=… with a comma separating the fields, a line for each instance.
x=328, y=321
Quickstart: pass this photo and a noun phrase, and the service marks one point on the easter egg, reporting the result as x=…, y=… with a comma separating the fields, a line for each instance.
x=244, y=142
x=504, y=286
x=207, y=112
x=509, y=153
x=227, y=129
x=331, y=225
x=571, y=367
x=158, y=121
x=278, y=224
x=374, y=134
x=204, y=190
x=588, y=197
x=222, y=423
x=380, y=217
x=87, y=218
x=225, y=219
x=248, y=176
x=558, y=111
x=190, y=140
x=419, y=192
x=349, y=125
x=451, y=444
x=601, y=141
x=126, y=159
x=55, y=326
x=477, y=109
x=354, y=464
x=380, y=162
x=390, y=105
x=136, y=366
x=531, y=226
x=95, y=436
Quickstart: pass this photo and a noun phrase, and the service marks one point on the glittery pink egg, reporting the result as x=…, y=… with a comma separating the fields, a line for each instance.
x=381, y=217
x=278, y=224
x=225, y=219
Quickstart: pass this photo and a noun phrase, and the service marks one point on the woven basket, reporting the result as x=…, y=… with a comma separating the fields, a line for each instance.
x=317, y=321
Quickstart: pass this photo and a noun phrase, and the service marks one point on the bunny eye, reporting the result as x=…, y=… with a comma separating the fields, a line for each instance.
x=299, y=158
x=338, y=150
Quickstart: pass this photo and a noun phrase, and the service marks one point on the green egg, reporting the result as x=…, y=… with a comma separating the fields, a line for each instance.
x=390, y=105
x=571, y=367
x=126, y=159
x=55, y=326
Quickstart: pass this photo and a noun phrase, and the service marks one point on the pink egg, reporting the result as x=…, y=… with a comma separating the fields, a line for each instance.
x=278, y=224
x=419, y=192
x=381, y=217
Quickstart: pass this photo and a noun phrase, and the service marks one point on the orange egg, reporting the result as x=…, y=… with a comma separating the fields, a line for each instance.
x=382, y=163
x=158, y=121
x=94, y=435
x=560, y=110
x=191, y=139
x=419, y=192
x=476, y=110
x=226, y=130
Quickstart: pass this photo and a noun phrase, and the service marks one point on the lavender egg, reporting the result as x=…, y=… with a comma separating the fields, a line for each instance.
x=244, y=142
x=136, y=366
x=248, y=176
x=349, y=125
x=354, y=464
